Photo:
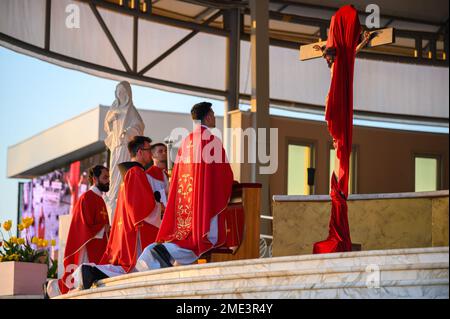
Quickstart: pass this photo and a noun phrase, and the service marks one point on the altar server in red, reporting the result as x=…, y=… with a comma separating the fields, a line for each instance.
x=89, y=229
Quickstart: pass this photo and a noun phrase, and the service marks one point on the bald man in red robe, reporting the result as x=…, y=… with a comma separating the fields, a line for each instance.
x=88, y=232
x=342, y=46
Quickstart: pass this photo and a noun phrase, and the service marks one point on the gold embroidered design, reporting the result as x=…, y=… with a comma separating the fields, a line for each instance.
x=184, y=207
x=104, y=214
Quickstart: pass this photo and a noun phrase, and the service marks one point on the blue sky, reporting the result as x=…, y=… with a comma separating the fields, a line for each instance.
x=35, y=95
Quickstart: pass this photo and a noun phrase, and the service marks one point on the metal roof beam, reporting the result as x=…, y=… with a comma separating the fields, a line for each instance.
x=202, y=15
x=100, y=68
x=150, y=16
x=220, y=4
x=384, y=16
x=48, y=12
x=109, y=36
x=177, y=45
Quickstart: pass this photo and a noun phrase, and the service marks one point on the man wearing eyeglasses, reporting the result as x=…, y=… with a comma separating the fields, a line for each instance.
x=137, y=216
x=136, y=219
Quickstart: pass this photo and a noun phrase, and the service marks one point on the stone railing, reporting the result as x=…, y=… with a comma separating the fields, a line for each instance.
x=377, y=221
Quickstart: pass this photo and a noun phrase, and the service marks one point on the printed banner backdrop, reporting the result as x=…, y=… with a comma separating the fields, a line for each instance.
x=47, y=197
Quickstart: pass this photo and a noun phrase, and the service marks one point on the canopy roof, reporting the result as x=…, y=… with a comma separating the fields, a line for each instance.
x=181, y=46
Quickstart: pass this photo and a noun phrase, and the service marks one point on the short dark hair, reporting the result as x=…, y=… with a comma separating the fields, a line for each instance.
x=200, y=110
x=95, y=171
x=156, y=145
x=137, y=143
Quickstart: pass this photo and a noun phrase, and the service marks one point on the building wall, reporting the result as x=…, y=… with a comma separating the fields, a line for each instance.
x=385, y=158
x=57, y=146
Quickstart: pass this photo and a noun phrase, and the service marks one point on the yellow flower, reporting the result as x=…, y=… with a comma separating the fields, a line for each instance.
x=39, y=243
x=21, y=241
x=27, y=221
x=21, y=227
x=34, y=240
x=7, y=225
x=53, y=242
x=44, y=243
x=13, y=240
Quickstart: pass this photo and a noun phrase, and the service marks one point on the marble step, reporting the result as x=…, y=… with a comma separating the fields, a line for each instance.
x=422, y=289
x=423, y=275
x=323, y=263
x=418, y=273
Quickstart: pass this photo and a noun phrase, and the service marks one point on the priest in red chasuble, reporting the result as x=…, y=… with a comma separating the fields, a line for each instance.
x=195, y=219
x=136, y=220
x=88, y=232
x=343, y=43
x=138, y=215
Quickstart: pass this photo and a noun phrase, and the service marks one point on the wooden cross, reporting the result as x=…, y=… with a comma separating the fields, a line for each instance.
x=377, y=38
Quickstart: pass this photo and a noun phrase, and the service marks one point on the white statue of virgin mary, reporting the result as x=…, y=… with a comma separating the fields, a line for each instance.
x=122, y=123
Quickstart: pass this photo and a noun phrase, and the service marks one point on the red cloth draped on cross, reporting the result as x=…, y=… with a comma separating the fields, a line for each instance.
x=344, y=36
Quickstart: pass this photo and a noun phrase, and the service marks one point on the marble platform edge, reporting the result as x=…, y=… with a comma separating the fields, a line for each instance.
x=276, y=273
x=271, y=289
x=272, y=274
x=326, y=198
x=303, y=288
x=237, y=263
x=251, y=276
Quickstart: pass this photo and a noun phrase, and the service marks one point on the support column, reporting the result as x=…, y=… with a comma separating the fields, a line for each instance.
x=259, y=10
x=232, y=23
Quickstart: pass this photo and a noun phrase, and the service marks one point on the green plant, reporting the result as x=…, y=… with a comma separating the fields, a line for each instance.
x=53, y=269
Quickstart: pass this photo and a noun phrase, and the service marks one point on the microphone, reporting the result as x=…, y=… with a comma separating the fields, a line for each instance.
x=157, y=196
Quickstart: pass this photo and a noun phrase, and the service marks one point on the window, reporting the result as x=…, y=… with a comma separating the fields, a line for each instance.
x=299, y=160
x=426, y=173
x=352, y=175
